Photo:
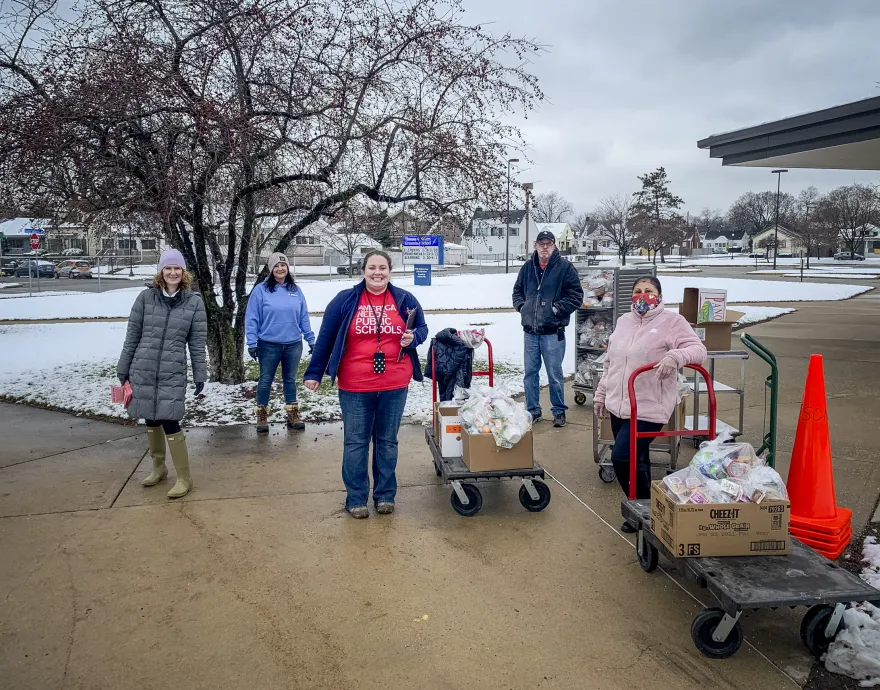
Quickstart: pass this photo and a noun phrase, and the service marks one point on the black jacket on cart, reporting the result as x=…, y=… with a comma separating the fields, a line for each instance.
x=454, y=362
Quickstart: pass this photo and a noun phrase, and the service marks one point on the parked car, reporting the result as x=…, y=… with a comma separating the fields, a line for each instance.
x=719, y=250
x=350, y=272
x=7, y=267
x=848, y=256
x=35, y=267
x=74, y=269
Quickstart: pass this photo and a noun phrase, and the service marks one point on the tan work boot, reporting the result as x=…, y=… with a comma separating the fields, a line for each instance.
x=294, y=421
x=262, y=419
x=180, y=458
x=156, y=441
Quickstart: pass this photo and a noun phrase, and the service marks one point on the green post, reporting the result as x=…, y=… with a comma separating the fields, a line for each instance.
x=772, y=382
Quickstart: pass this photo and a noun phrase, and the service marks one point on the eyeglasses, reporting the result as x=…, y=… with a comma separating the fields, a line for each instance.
x=544, y=245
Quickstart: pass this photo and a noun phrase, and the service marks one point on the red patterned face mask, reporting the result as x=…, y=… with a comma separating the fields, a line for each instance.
x=644, y=303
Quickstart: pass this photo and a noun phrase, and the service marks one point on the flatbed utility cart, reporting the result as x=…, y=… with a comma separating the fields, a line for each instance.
x=466, y=498
x=622, y=279
x=746, y=583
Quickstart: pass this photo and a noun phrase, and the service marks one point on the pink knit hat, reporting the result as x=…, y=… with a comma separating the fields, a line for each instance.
x=171, y=257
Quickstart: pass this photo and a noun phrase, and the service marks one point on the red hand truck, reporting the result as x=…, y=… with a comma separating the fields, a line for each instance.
x=635, y=434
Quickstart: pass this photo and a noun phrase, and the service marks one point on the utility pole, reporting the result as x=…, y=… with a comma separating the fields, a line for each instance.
x=507, y=219
x=778, y=174
x=527, y=187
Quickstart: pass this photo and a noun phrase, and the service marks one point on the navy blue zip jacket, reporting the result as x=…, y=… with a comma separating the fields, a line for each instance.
x=547, y=299
x=337, y=320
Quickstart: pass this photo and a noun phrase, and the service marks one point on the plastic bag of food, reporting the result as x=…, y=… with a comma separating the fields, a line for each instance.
x=681, y=484
x=492, y=411
x=595, y=331
x=763, y=484
x=473, y=337
x=598, y=289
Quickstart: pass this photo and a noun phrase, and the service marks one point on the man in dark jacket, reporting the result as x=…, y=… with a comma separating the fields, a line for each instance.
x=547, y=292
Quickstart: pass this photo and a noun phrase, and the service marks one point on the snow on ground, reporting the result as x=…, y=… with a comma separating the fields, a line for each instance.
x=78, y=376
x=9, y=285
x=454, y=293
x=673, y=269
x=855, y=652
x=37, y=294
x=836, y=276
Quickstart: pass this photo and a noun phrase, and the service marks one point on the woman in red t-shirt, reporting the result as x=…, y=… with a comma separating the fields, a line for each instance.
x=367, y=341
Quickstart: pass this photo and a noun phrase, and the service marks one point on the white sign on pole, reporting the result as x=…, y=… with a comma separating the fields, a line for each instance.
x=426, y=250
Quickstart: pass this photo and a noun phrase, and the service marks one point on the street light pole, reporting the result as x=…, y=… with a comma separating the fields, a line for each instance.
x=507, y=219
x=130, y=235
x=778, y=174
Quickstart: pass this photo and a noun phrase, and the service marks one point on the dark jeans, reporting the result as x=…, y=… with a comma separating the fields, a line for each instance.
x=620, y=455
x=370, y=417
x=552, y=350
x=269, y=356
x=169, y=426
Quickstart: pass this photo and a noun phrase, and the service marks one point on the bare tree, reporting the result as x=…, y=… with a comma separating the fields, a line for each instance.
x=812, y=226
x=709, y=220
x=358, y=223
x=755, y=212
x=580, y=223
x=551, y=208
x=614, y=214
x=850, y=210
x=175, y=108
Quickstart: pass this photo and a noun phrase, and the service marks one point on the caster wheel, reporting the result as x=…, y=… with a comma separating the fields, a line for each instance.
x=543, y=497
x=607, y=474
x=475, y=501
x=702, y=628
x=813, y=629
x=648, y=555
x=580, y=398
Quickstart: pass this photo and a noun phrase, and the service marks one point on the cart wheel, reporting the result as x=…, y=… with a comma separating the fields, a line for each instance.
x=648, y=556
x=701, y=632
x=543, y=497
x=607, y=474
x=580, y=398
x=813, y=629
x=475, y=501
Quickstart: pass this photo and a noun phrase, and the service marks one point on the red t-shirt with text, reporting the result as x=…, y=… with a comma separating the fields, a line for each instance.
x=355, y=373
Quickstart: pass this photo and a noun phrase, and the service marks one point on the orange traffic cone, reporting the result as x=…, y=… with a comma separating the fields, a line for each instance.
x=815, y=518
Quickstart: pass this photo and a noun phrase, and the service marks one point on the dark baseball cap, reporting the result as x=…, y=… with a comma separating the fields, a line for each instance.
x=545, y=235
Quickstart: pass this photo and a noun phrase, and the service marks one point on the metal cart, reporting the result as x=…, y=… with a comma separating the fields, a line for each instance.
x=771, y=384
x=625, y=278
x=747, y=583
x=466, y=499
x=698, y=388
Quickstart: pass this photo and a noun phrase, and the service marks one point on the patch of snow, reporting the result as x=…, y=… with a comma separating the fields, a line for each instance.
x=840, y=276
x=9, y=285
x=855, y=652
x=78, y=376
x=661, y=269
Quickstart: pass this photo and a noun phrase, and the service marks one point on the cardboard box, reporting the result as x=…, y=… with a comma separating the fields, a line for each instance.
x=480, y=453
x=715, y=335
x=605, y=428
x=720, y=529
x=447, y=431
x=711, y=306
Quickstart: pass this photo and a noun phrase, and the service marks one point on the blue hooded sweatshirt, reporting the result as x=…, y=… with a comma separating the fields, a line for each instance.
x=278, y=316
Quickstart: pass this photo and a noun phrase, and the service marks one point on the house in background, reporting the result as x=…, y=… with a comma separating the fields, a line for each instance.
x=790, y=242
x=485, y=237
x=593, y=238
x=727, y=239
x=18, y=234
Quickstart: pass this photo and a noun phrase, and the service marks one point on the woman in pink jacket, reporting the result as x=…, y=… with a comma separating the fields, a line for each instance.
x=647, y=335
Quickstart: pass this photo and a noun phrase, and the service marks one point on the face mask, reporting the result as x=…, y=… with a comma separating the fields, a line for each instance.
x=644, y=303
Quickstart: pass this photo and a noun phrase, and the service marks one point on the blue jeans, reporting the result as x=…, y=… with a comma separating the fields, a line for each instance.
x=370, y=417
x=552, y=350
x=270, y=355
x=620, y=455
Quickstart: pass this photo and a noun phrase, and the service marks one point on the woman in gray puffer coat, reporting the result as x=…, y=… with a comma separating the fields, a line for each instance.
x=164, y=320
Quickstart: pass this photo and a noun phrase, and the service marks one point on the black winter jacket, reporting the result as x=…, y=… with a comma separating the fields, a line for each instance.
x=454, y=361
x=547, y=303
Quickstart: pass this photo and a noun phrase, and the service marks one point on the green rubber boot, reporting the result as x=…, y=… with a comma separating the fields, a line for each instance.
x=156, y=440
x=180, y=458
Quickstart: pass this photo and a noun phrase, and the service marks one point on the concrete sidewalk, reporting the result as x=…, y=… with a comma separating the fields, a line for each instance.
x=259, y=580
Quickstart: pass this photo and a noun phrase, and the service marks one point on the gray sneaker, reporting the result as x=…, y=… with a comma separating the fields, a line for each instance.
x=559, y=419
x=385, y=507
x=536, y=417
x=359, y=512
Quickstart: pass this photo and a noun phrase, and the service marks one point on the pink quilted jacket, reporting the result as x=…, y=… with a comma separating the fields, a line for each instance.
x=639, y=340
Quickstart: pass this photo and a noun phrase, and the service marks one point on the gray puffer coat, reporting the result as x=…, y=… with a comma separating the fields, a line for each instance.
x=154, y=354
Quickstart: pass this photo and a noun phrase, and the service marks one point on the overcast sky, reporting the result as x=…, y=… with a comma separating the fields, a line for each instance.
x=633, y=85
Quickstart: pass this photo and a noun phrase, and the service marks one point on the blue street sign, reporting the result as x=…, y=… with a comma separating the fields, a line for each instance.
x=34, y=231
x=422, y=274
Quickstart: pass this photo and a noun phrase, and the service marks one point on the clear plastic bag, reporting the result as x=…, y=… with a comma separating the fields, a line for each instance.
x=492, y=411
x=595, y=331
x=598, y=289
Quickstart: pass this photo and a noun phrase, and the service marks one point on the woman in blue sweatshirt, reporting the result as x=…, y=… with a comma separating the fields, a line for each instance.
x=276, y=321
